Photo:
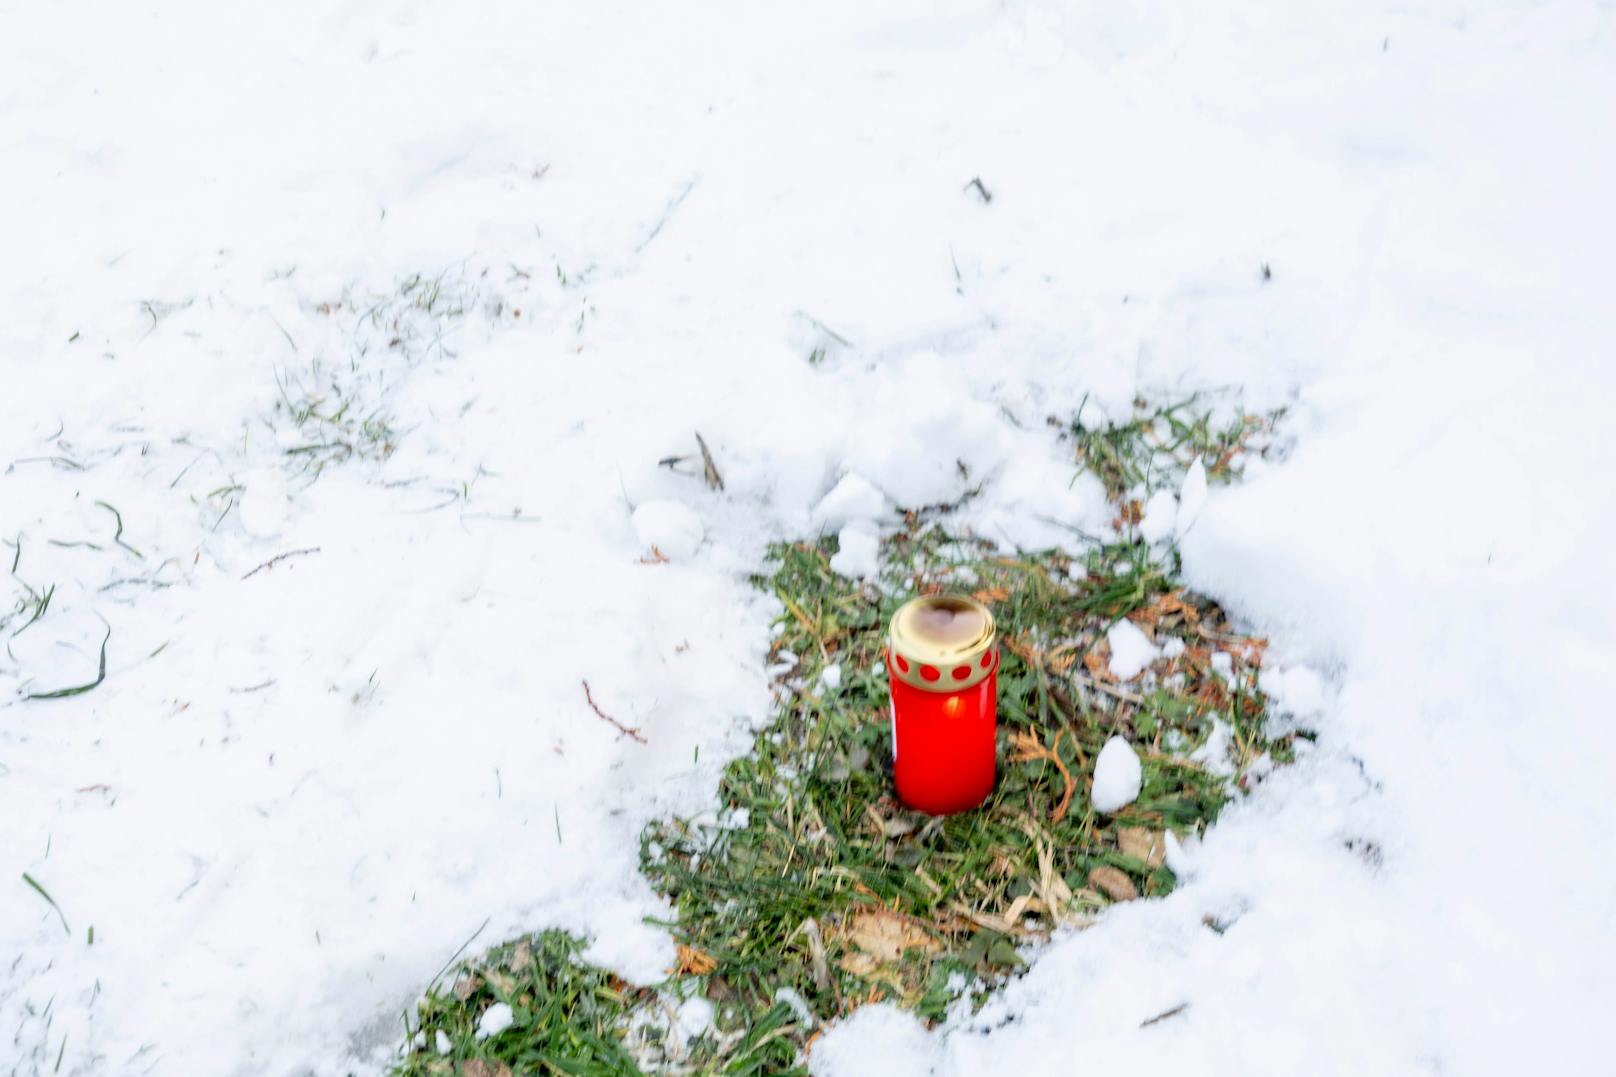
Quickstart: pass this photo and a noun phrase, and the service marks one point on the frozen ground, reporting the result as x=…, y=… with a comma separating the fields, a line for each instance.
x=530, y=252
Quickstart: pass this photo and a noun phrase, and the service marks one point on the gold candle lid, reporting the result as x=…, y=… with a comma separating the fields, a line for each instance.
x=942, y=643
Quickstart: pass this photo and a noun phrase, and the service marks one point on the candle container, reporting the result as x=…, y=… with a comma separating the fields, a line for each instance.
x=943, y=669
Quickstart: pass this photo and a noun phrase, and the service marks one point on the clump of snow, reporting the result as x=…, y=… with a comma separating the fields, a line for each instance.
x=1191, y=497
x=831, y=676
x=879, y=1039
x=1172, y=647
x=852, y=498
x=1117, y=777
x=858, y=551
x=1131, y=650
x=1161, y=515
x=1295, y=690
x=669, y=526
x=441, y=1042
x=496, y=1019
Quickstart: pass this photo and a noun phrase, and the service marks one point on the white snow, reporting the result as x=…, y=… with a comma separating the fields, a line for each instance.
x=831, y=676
x=496, y=1019
x=1117, y=776
x=852, y=498
x=876, y=1040
x=693, y=1017
x=1213, y=754
x=1161, y=516
x=798, y=1004
x=1131, y=650
x=857, y=553
x=1191, y=496
x=669, y=527
x=264, y=504
x=420, y=300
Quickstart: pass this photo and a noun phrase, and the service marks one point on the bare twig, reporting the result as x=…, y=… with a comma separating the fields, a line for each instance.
x=709, y=469
x=627, y=731
x=1109, y=689
x=280, y=557
x=981, y=189
x=1164, y=1015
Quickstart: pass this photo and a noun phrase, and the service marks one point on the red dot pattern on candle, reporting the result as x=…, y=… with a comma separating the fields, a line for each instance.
x=987, y=659
x=961, y=672
x=929, y=673
x=903, y=664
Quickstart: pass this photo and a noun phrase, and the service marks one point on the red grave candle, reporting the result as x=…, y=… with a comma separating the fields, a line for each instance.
x=944, y=673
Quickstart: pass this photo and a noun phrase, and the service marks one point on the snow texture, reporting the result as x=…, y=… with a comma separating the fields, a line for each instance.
x=1191, y=496
x=858, y=551
x=496, y=1019
x=371, y=321
x=852, y=498
x=670, y=528
x=876, y=1040
x=1131, y=650
x=1161, y=516
x=1117, y=777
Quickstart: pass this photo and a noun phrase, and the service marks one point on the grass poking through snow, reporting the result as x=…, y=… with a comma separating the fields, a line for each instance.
x=813, y=891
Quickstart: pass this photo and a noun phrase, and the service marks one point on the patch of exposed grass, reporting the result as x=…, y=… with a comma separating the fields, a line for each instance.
x=813, y=891
x=1150, y=450
x=330, y=411
x=564, y=1015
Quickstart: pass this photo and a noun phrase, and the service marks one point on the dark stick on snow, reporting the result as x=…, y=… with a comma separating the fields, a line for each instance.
x=627, y=731
x=981, y=189
x=1164, y=1015
x=280, y=557
x=709, y=469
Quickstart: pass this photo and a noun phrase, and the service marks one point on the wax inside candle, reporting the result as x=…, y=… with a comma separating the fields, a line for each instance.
x=949, y=625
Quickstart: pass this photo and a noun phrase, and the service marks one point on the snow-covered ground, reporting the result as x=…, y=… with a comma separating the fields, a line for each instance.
x=534, y=250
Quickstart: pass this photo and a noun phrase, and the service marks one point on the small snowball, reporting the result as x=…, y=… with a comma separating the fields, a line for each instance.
x=673, y=528
x=853, y=498
x=1131, y=650
x=1161, y=513
x=443, y=1044
x=859, y=547
x=1117, y=777
x=1172, y=647
x=264, y=506
x=831, y=677
x=1223, y=664
x=496, y=1019
x=1192, y=497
